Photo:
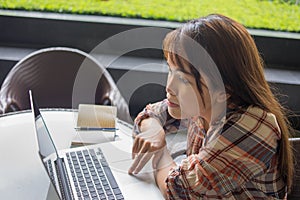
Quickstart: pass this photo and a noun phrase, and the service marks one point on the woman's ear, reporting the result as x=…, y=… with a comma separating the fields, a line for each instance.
x=222, y=97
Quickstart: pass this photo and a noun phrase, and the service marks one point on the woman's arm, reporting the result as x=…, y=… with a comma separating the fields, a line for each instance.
x=150, y=141
x=158, y=111
x=162, y=164
x=150, y=128
x=246, y=148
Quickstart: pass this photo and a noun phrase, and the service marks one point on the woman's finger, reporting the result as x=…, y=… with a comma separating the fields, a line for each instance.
x=144, y=150
x=136, y=146
x=143, y=161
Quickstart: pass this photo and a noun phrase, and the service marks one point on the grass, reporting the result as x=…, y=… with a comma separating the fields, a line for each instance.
x=281, y=15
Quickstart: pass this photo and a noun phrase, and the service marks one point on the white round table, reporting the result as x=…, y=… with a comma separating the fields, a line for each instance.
x=22, y=174
x=21, y=171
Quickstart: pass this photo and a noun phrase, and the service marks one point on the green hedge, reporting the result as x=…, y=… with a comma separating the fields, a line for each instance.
x=283, y=15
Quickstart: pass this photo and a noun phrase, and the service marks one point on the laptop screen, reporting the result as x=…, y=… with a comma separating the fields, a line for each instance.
x=45, y=142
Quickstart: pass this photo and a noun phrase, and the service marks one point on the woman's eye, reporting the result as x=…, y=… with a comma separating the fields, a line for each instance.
x=184, y=80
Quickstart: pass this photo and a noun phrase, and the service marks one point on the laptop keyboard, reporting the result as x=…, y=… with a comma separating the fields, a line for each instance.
x=92, y=177
x=50, y=171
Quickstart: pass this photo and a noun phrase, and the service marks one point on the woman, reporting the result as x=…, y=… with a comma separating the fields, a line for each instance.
x=237, y=141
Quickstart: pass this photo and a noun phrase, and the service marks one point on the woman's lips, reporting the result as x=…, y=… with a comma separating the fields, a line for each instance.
x=171, y=104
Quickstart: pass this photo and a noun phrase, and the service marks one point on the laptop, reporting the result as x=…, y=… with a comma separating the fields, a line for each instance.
x=83, y=172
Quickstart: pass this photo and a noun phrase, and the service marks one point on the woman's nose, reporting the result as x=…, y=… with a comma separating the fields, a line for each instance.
x=169, y=92
x=170, y=88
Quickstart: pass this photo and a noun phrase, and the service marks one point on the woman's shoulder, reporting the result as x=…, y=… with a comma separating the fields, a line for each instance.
x=254, y=119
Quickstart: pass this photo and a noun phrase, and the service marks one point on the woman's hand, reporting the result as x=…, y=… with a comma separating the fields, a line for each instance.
x=150, y=141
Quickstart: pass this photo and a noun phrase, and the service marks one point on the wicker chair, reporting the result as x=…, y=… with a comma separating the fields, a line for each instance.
x=60, y=78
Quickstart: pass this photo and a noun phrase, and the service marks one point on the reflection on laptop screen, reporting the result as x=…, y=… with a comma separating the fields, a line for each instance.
x=46, y=145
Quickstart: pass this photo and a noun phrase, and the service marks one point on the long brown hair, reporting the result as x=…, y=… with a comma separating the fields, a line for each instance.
x=235, y=54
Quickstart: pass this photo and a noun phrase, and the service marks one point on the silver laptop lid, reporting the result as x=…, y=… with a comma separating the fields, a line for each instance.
x=45, y=142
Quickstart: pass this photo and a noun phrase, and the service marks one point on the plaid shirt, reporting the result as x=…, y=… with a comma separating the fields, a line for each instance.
x=238, y=162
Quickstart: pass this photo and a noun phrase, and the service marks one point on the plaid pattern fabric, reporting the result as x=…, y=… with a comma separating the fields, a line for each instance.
x=159, y=112
x=238, y=162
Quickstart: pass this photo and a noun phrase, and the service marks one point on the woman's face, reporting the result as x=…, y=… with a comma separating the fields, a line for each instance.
x=184, y=100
